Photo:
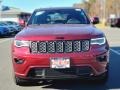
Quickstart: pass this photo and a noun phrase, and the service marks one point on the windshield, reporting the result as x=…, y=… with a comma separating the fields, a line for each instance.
x=61, y=16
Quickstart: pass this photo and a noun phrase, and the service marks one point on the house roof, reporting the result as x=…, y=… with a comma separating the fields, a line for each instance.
x=13, y=10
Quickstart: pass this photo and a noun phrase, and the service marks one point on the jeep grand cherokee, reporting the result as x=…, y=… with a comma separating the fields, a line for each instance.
x=60, y=43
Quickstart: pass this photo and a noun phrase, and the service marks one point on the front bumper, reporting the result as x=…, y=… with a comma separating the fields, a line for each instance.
x=37, y=66
x=48, y=73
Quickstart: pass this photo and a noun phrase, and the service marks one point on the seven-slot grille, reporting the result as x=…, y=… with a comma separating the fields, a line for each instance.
x=65, y=46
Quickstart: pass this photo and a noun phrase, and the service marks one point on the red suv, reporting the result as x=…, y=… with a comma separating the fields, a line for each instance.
x=60, y=43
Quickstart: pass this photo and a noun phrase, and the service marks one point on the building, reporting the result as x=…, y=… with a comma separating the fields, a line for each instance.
x=13, y=14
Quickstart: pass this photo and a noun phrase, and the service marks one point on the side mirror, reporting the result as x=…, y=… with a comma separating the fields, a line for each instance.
x=95, y=20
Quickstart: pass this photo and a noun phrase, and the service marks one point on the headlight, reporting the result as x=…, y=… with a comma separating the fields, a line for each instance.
x=21, y=43
x=98, y=41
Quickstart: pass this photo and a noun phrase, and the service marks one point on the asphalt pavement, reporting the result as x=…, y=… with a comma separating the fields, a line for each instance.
x=113, y=83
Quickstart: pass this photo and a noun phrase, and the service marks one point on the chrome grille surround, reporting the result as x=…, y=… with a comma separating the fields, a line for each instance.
x=59, y=46
x=42, y=47
x=34, y=47
x=65, y=46
x=51, y=47
x=85, y=45
x=68, y=46
x=77, y=46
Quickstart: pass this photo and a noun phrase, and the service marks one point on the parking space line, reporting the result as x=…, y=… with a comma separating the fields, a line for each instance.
x=116, y=52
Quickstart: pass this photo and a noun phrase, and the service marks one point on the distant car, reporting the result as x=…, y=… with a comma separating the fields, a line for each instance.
x=10, y=28
x=3, y=31
x=117, y=22
x=113, y=22
x=15, y=25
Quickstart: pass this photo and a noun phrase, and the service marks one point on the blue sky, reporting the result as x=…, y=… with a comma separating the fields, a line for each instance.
x=30, y=5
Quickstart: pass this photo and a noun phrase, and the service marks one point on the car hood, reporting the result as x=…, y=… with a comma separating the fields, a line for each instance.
x=82, y=31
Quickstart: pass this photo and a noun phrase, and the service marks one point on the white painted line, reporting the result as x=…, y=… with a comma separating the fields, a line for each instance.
x=4, y=40
x=116, y=52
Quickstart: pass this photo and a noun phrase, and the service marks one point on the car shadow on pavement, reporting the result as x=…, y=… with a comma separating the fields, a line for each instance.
x=112, y=83
x=76, y=85
x=8, y=36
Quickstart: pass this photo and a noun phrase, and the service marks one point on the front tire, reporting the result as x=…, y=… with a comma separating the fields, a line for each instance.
x=24, y=82
x=104, y=77
x=19, y=81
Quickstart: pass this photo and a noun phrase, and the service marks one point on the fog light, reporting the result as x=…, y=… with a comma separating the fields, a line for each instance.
x=101, y=58
x=19, y=61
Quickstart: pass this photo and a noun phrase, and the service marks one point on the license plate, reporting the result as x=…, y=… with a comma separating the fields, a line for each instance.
x=59, y=63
